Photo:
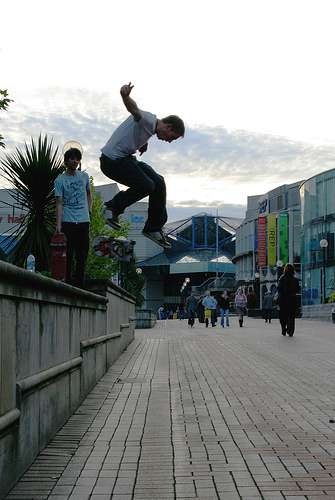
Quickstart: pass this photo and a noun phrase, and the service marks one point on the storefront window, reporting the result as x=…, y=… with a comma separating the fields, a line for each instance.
x=318, y=222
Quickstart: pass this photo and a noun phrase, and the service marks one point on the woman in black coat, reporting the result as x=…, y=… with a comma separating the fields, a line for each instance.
x=288, y=287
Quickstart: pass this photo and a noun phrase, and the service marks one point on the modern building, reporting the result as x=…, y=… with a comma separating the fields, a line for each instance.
x=317, y=237
x=268, y=238
x=202, y=251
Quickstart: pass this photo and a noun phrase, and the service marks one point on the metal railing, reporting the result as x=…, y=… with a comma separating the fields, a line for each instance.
x=217, y=283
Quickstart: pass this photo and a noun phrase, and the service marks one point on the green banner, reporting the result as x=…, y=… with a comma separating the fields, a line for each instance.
x=272, y=240
x=283, y=237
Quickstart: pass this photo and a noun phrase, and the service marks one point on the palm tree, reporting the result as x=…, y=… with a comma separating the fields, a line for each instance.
x=32, y=173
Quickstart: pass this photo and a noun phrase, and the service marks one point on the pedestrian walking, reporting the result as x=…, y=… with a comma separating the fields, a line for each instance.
x=224, y=308
x=241, y=305
x=201, y=310
x=190, y=306
x=160, y=312
x=209, y=304
x=268, y=307
x=288, y=287
x=180, y=310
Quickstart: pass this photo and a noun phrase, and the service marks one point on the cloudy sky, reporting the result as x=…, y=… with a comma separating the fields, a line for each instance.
x=253, y=80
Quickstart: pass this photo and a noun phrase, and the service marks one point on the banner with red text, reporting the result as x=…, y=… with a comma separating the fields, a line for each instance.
x=261, y=241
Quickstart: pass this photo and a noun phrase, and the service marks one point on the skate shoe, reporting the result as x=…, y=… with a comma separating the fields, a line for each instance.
x=111, y=218
x=158, y=237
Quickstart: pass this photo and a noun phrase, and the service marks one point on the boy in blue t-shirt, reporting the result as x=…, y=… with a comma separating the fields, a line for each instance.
x=73, y=208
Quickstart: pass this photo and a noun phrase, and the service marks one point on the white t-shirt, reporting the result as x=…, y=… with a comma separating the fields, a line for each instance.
x=73, y=191
x=130, y=136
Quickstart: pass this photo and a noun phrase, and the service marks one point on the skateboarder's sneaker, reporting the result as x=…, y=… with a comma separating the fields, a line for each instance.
x=111, y=218
x=158, y=237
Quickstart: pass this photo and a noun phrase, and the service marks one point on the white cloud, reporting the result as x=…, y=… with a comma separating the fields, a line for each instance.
x=212, y=164
x=253, y=82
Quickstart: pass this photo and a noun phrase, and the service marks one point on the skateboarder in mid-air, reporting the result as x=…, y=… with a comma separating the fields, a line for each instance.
x=119, y=163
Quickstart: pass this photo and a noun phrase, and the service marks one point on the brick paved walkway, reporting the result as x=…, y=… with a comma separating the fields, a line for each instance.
x=209, y=413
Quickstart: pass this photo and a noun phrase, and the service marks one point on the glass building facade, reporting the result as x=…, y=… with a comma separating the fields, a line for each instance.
x=270, y=234
x=317, y=225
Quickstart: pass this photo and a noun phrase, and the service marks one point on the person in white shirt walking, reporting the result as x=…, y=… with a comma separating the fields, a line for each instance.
x=209, y=304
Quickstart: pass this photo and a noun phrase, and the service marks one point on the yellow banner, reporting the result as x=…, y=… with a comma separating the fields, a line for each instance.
x=272, y=243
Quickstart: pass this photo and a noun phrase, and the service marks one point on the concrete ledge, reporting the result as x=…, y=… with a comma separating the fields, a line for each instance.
x=9, y=419
x=103, y=287
x=22, y=284
x=145, y=318
x=318, y=312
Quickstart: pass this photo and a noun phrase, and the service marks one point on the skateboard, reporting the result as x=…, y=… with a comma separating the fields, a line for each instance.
x=114, y=248
x=58, y=257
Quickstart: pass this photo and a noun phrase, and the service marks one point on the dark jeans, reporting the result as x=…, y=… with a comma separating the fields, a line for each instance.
x=212, y=318
x=78, y=242
x=191, y=317
x=201, y=314
x=224, y=312
x=142, y=181
x=287, y=317
x=268, y=314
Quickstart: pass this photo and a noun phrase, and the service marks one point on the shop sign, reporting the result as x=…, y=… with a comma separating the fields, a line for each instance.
x=262, y=206
x=11, y=219
x=137, y=219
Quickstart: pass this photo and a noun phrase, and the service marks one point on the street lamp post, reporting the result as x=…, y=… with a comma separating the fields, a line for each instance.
x=323, y=245
x=258, y=288
x=186, y=282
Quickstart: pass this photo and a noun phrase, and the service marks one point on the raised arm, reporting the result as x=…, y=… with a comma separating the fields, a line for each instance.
x=129, y=102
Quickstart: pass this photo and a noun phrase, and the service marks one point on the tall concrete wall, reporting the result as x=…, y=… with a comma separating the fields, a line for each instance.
x=56, y=342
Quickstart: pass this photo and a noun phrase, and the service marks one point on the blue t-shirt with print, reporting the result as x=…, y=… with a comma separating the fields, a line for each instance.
x=73, y=191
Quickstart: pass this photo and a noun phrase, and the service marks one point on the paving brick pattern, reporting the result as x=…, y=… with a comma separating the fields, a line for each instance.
x=209, y=413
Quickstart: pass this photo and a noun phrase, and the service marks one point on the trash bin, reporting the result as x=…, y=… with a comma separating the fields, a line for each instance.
x=333, y=314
